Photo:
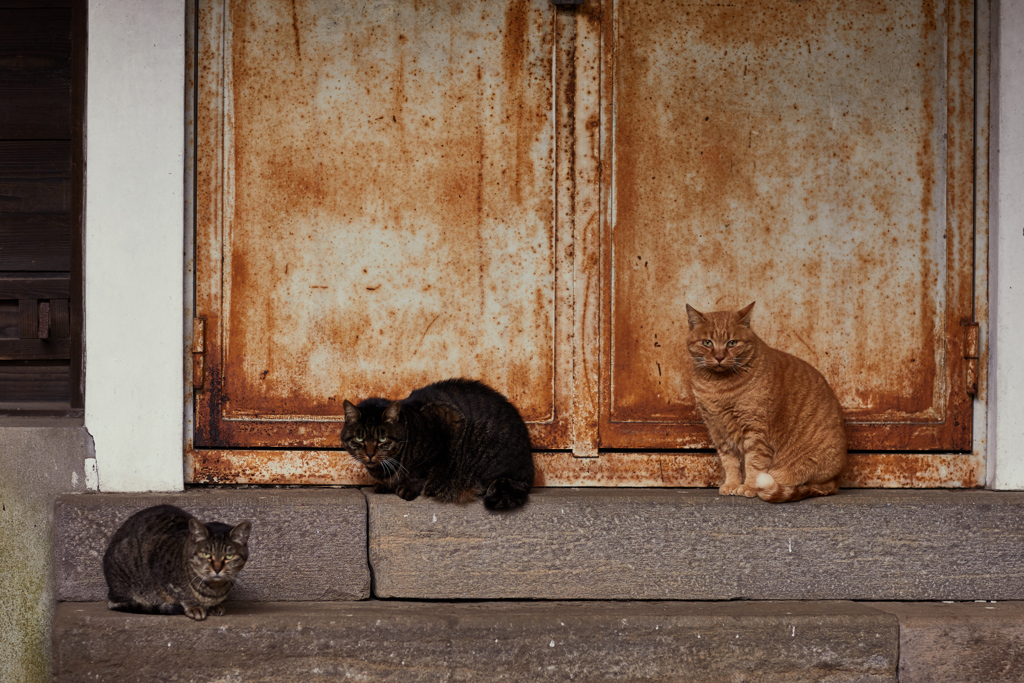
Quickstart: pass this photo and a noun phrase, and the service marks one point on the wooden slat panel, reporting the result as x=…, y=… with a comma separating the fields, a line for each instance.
x=33, y=4
x=35, y=349
x=35, y=106
x=60, y=319
x=47, y=382
x=28, y=319
x=35, y=38
x=79, y=43
x=28, y=287
x=32, y=159
x=31, y=242
x=8, y=319
x=35, y=176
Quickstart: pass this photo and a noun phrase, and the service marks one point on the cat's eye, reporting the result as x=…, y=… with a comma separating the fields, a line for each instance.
x=732, y=343
x=357, y=439
x=383, y=439
x=708, y=343
x=229, y=556
x=205, y=555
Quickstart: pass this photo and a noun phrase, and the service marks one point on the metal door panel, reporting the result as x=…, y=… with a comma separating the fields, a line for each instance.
x=792, y=153
x=393, y=192
x=376, y=182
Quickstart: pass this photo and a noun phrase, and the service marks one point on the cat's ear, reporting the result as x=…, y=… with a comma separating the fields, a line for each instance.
x=391, y=414
x=240, y=534
x=351, y=413
x=744, y=314
x=695, y=317
x=198, y=530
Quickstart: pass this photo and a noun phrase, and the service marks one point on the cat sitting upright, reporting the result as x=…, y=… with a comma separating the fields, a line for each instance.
x=453, y=440
x=776, y=423
x=164, y=561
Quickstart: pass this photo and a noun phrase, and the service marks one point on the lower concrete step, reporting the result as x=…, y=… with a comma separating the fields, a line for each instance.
x=768, y=642
x=975, y=642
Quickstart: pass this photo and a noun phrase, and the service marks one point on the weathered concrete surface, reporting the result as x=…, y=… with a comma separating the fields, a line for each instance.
x=306, y=544
x=692, y=544
x=970, y=642
x=508, y=641
x=39, y=459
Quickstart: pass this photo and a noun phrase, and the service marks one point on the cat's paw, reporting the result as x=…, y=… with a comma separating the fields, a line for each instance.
x=216, y=611
x=744, y=490
x=728, y=489
x=381, y=488
x=406, y=493
x=198, y=612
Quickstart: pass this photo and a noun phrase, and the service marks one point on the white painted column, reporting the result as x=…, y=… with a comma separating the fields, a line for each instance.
x=134, y=242
x=1006, y=250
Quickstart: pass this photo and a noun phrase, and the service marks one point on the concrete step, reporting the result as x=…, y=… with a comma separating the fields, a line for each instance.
x=306, y=544
x=970, y=642
x=692, y=544
x=588, y=544
x=784, y=642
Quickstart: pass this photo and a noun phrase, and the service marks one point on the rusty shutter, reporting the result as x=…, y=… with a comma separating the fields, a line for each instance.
x=814, y=156
x=393, y=193
x=376, y=212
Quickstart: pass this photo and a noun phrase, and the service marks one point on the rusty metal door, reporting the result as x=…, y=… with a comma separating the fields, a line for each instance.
x=376, y=211
x=815, y=156
x=391, y=193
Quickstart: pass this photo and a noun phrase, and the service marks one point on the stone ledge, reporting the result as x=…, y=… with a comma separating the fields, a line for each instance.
x=959, y=642
x=306, y=544
x=400, y=641
x=692, y=544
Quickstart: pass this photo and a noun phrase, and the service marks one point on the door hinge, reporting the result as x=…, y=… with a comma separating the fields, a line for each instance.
x=198, y=351
x=971, y=354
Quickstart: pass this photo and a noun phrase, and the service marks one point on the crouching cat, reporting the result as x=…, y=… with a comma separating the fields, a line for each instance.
x=163, y=561
x=776, y=423
x=453, y=440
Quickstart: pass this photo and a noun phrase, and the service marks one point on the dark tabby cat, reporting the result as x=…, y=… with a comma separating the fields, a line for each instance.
x=163, y=561
x=452, y=440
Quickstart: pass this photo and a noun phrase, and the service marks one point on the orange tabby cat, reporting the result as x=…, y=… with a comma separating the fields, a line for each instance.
x=769, y=413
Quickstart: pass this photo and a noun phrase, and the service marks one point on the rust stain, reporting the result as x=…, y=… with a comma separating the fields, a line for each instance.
x=695, y=470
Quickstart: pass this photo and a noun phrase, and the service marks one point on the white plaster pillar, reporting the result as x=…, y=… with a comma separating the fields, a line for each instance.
x=134, y=242
x=1006, y=250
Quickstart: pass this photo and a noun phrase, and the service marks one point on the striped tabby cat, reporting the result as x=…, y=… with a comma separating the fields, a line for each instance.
x=163, y=561
x=776, y=423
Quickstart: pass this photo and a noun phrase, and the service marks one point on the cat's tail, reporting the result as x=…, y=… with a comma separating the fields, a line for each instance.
x=772, y=491
x=506, y=494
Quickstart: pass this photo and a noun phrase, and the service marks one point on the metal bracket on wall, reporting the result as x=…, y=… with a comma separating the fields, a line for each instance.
x=971, y=354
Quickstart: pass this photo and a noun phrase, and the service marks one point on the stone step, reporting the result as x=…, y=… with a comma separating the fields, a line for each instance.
x=692, y=544
x=970, y=642
x=306, y=544
x=588, y=544
x=396, y=641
